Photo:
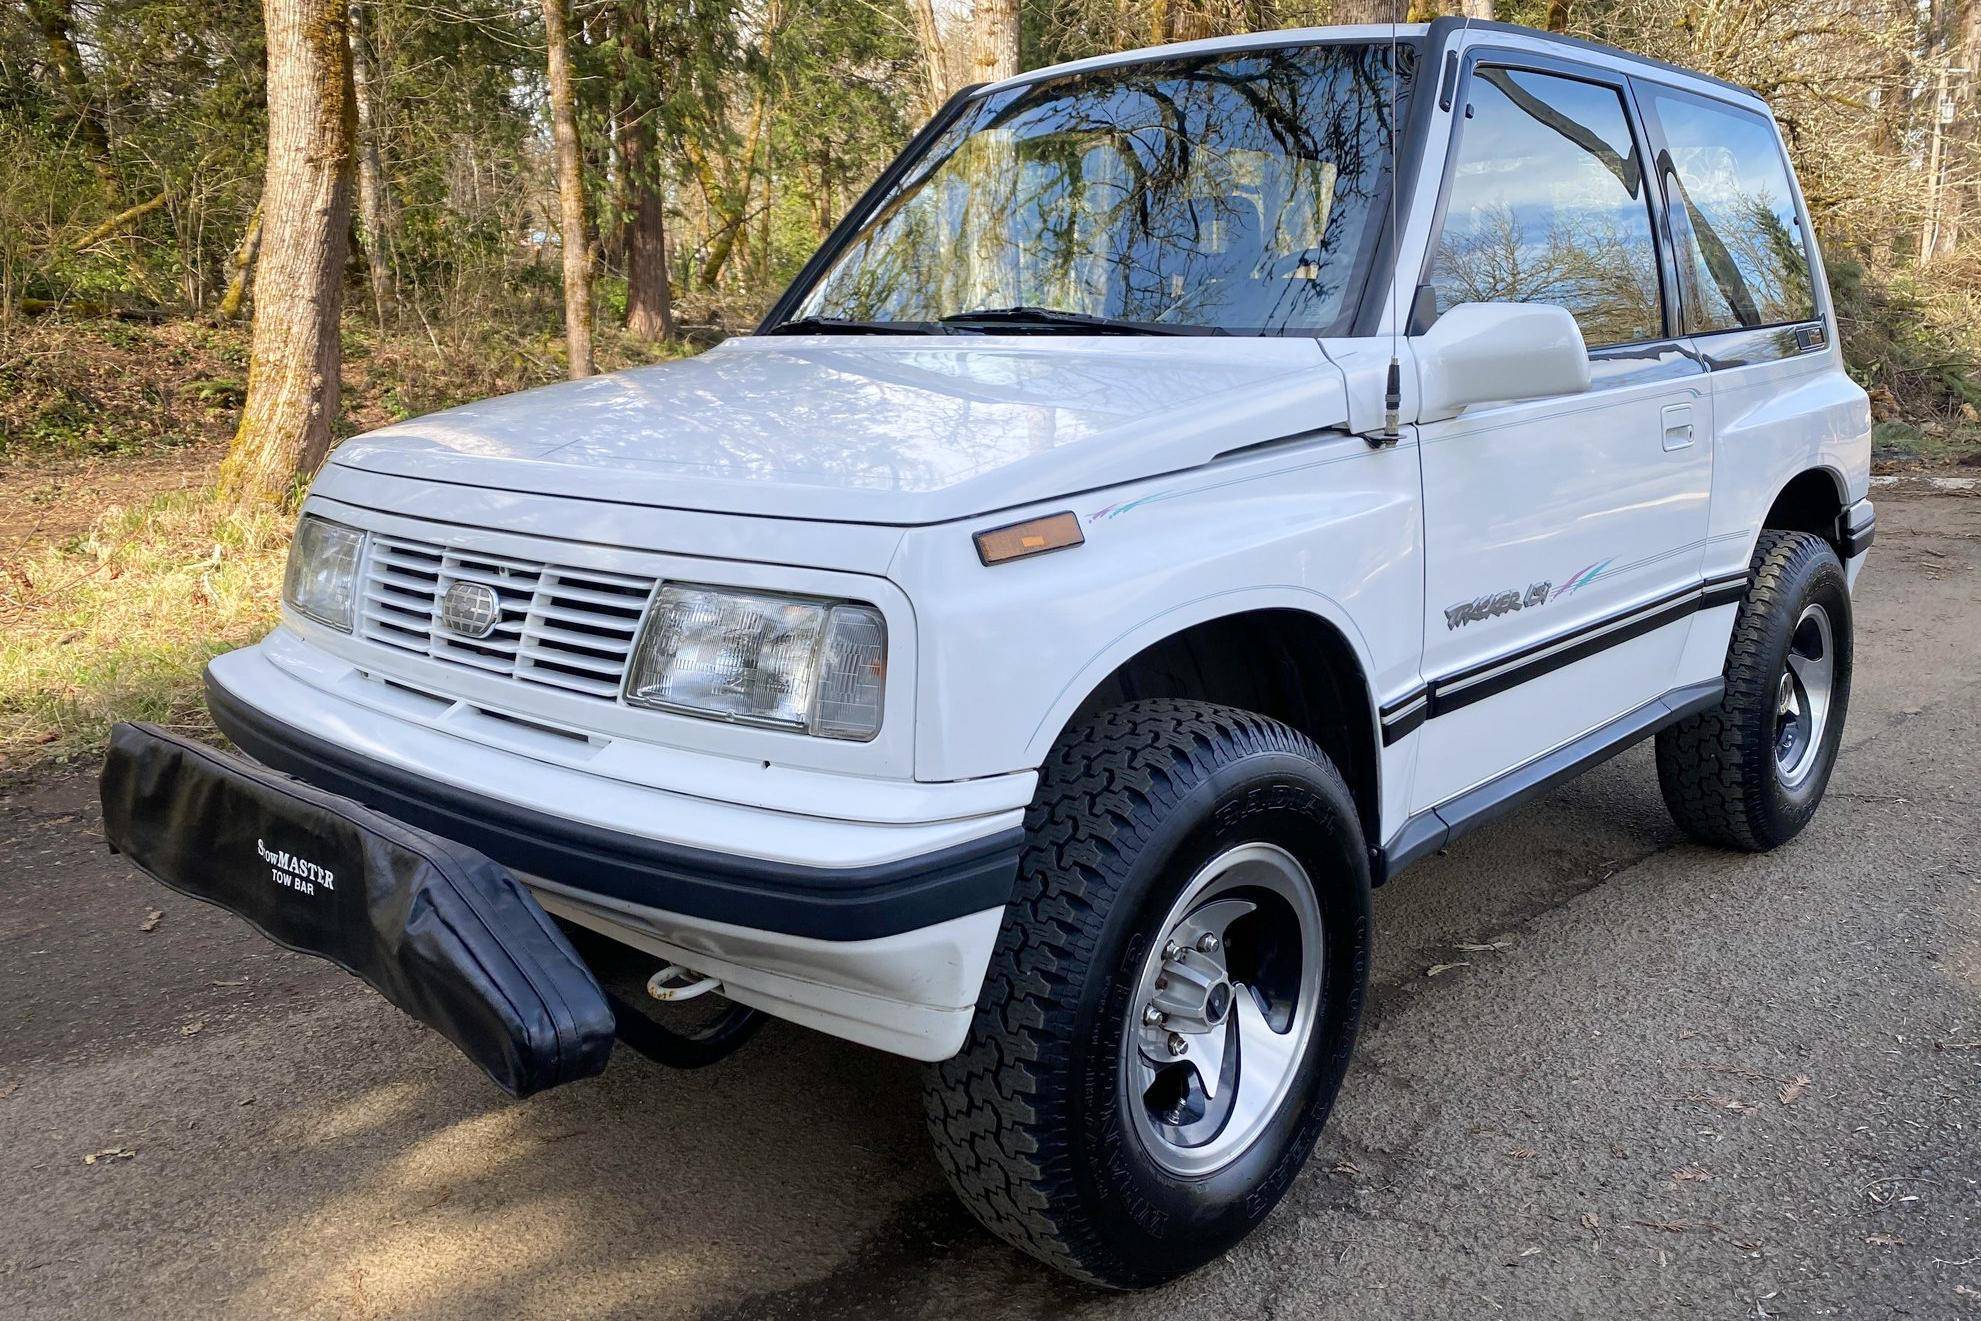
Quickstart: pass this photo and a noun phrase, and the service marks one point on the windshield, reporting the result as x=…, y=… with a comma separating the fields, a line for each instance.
x=1230, y=192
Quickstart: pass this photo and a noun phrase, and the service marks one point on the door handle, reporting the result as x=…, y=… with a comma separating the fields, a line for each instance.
x=1678, y=426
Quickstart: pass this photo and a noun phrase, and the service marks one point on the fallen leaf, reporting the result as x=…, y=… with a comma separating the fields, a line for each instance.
x=151, y=920
x=1437, y=968
x=1589, y=1220
x=1485, y=949
x=1667, y=1226
x=1793, y=1089
x=8, y=1089
x=1966, y=1292
x=1885, y=1240
x=192, y=1028
x=1521, y=1153
x=1531, y=1252
x=238, y=981
x=109, y=1153
x=1344, y=1168
x=1690, y=1175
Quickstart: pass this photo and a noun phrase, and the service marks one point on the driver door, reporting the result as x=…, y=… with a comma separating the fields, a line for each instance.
x=1561, y=535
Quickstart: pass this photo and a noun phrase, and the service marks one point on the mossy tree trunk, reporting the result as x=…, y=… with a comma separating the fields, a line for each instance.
x=56, y=21
x=569, y=160
x=298, y=291
x=241, y=268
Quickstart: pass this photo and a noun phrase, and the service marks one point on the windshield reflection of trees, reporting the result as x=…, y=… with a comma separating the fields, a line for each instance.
x=1230, y=191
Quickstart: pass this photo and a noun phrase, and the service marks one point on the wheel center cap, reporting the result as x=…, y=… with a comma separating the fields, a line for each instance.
x=1217, y=1003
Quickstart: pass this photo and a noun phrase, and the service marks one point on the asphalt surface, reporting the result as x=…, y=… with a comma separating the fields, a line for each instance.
x=1655, y=1080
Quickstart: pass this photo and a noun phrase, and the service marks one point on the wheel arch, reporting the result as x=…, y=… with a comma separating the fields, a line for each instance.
x=1810, y=501
x=1296, y=662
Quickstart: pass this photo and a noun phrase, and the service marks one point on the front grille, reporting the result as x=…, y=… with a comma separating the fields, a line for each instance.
x=560, y=626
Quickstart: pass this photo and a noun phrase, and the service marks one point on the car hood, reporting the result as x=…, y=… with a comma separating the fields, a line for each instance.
x=894, y=430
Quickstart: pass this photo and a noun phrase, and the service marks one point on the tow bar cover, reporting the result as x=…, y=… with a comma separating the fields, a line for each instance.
x=436, y=928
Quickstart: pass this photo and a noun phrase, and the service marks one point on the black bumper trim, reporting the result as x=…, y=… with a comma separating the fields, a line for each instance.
x=1857, y=528
x=819, y=903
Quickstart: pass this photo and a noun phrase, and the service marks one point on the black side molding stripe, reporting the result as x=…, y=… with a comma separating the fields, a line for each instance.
x=1402, y=716
x=1432, y=829
x=1455, y=691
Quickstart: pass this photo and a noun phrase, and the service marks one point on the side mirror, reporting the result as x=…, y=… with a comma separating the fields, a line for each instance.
x=1479, y=353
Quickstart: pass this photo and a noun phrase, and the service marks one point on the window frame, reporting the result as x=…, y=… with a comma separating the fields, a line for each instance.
x=1423, y=301
x=1667, y=169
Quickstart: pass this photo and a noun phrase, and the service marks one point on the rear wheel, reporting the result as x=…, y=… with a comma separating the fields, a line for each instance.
x=1750, y=773
x=1172, y=1001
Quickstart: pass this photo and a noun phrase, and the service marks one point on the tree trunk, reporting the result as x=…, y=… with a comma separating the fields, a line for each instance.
x=649, y=302
x=306, y=216
x=56, y=20
x=728, y=199
x=1370, y=11
x=996, y=23
x=1482, y=9
x=241, y=267
x=373, y=206
x=1962, y=151
x=569, y=160
x=1558, y=15
x=935, y=63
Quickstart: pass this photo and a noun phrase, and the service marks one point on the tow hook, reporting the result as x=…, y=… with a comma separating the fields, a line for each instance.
x=675, y=984
x=717, y=1039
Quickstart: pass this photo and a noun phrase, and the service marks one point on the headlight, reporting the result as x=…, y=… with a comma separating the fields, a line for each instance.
x=322, y=581
x=758, y=659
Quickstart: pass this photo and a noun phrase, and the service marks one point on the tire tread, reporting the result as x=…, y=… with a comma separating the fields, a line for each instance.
x=995, y=1107
x=1713, y=769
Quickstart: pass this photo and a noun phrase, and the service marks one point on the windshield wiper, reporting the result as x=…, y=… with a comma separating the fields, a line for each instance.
x=1052, y=318
x=833, y=325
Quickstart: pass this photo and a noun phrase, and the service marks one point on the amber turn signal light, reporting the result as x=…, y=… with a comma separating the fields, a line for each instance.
x=1035, y=536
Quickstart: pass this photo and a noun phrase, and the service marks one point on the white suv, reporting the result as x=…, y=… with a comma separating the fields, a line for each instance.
x=1189, y=486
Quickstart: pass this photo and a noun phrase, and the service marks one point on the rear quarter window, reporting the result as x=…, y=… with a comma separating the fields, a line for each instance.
x=1743, y=259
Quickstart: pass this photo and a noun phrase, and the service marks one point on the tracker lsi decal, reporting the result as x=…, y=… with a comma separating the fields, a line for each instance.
x=1494, y=604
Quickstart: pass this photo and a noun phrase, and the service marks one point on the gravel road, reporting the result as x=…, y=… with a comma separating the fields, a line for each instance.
x=1605, y=1072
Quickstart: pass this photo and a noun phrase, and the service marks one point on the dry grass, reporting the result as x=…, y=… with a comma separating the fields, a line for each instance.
x=115, y=587
x=117, y=623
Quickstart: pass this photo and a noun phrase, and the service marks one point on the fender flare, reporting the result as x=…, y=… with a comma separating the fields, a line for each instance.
x=1131, y=642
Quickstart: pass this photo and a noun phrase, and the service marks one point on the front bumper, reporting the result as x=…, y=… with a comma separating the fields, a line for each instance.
x=889, y=950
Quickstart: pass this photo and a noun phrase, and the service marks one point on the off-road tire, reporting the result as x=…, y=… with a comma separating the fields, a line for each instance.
x=1718, y=769
x=1027, y=1118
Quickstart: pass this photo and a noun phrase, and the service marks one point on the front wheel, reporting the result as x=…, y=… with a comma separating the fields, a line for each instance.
x=1172, y=1000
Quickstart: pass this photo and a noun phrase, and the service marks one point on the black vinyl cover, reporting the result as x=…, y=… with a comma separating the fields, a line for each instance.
x=436, y=928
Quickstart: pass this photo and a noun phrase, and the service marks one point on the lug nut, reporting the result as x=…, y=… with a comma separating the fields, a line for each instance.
x=1170, y=950
x=1177, y=1045
x=1152, y=1016
x=1207, y=943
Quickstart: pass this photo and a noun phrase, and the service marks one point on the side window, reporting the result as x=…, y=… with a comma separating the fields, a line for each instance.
x=1548, y=204
x=1741, y=254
